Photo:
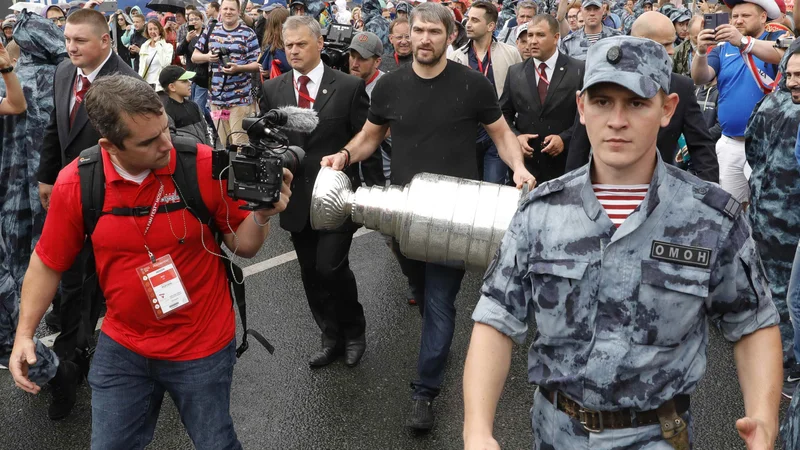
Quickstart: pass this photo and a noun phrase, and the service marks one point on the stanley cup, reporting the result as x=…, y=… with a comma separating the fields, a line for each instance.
x=435, y=218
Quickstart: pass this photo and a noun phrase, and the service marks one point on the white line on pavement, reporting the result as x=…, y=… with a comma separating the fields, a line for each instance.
x=248, y=271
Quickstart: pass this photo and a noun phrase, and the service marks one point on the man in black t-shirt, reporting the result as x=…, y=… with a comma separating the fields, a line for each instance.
x=434, y=107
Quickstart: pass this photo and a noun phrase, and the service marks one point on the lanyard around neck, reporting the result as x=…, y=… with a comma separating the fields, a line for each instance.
x=485, y=72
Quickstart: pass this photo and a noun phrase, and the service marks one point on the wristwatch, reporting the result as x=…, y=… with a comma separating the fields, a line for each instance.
x=743, y=43
x=7, y=69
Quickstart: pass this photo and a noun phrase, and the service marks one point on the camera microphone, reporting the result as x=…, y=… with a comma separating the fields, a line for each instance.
x=293, y=118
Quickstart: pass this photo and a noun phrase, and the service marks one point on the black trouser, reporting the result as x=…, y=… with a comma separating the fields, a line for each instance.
x=415, y=272
x=81, y=304
x=329, y=283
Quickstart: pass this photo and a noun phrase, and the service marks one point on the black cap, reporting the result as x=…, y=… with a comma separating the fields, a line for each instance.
x=171, y=74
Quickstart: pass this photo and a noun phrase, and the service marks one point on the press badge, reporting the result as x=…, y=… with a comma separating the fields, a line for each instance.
x=162, y=283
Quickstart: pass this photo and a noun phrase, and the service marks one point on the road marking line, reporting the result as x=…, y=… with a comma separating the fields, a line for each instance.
x=248, y=271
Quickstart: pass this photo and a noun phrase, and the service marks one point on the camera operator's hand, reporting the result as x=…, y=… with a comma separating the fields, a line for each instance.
x=213, y=57
x=191, y=35
x=231, y=69
x=335, y=161
x=286, y=192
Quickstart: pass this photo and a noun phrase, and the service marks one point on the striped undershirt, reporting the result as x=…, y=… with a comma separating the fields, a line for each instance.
x=619, y=201
x=592, y=38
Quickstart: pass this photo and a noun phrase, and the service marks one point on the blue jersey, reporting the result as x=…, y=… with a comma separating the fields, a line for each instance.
x=738, y=90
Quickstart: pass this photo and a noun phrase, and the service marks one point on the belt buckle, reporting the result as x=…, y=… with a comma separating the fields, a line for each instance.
x=585, y=414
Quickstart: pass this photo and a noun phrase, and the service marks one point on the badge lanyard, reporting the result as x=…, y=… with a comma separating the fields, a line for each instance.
x=302, y=94
x=153, y=211
x=542, y=76
x=488, y=60
x=396, y=59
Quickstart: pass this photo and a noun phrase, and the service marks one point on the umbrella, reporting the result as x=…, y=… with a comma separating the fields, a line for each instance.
x=172, y=6
x=36, y=8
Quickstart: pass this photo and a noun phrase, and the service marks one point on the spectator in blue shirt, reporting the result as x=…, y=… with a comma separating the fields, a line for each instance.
x=745, y=63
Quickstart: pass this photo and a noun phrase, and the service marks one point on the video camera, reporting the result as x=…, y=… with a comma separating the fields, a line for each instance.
x=337, y=40
x=255, y=171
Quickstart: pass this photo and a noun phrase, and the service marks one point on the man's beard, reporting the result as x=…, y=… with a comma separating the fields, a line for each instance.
x=795, y=92
x=431, y=60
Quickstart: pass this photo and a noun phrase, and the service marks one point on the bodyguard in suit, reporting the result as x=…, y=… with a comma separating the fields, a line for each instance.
x=539, y=100
x=91, y=56
x=687, y=120
x=342, y=104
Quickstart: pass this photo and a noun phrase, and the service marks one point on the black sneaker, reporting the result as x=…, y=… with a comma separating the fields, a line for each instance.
x=791, y=381
x=421, y=417
x=64, y=387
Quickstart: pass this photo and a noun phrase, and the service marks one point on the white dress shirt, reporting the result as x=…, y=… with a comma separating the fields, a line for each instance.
x=313, y=85
x=551, y=66
x=91, y=78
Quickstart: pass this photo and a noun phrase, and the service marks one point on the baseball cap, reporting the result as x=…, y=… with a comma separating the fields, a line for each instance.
x=9, y=23
x=598, y=3
x=679, y=15
x=298, y=2
x=367, y=44
x=171, y=74
x=640, y=65
x=521, y=29
x=403, y=7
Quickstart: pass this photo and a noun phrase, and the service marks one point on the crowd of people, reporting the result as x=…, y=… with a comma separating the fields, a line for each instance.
x=664, y=202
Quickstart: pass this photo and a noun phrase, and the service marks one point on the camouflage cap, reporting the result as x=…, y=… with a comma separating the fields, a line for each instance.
x=637, y=64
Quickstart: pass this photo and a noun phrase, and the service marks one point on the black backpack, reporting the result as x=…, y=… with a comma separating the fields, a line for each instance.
x=92, y=182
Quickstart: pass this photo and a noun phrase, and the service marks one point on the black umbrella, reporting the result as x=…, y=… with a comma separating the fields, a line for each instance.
x=173, y=6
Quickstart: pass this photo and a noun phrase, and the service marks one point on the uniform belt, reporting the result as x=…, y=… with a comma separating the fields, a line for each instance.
x=597, y=421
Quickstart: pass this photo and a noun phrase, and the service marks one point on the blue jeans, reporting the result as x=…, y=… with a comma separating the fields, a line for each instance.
x=200, y=96
x=441, y=285
x=793, y=302
x=494, y=169
x=127, y=391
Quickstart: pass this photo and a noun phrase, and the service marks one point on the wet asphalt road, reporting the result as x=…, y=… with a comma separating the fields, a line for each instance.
x=279, y=403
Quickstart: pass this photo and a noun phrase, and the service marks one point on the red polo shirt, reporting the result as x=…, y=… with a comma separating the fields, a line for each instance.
x=195, y=331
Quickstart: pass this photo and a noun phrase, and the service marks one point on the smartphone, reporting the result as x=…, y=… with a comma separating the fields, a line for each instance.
x=712, y=21
x=107, y=6
x=190, y=27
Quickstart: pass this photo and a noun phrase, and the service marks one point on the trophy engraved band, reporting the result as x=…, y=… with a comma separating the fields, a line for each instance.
x=435, y=218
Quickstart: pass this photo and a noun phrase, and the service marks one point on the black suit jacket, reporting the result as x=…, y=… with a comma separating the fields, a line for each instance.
x=342, y=105
x=61, y=143
x=525, y=113
x=687, y=120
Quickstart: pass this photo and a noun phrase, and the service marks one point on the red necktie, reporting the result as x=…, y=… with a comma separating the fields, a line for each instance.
x=79, y=94
x=302, y=98
x=542, y=86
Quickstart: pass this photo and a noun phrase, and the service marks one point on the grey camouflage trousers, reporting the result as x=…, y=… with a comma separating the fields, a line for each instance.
x=46, y=361
x=554, y=430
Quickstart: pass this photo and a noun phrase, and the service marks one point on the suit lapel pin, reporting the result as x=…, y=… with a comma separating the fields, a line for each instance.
x=324, y=91
x=560, y=68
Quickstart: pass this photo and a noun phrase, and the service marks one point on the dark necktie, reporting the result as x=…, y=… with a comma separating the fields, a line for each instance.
x=542, y=86
x=302, y=98
x=79, y=94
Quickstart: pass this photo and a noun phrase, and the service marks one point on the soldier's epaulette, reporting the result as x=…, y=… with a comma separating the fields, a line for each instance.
x=718, y=199
x=542, y=190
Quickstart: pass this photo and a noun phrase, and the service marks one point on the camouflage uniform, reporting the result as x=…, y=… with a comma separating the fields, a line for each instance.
x=374, y=22
x=680, y=60
x=575, y=45
x=769, y=142
x=621, y=313
x=790, y=429
x=21, y=215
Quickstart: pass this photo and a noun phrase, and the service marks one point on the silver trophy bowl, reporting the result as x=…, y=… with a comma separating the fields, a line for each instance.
x=435, y=218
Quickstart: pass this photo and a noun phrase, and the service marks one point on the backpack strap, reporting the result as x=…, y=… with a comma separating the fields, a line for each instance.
x=93, y=190
x=185, y=177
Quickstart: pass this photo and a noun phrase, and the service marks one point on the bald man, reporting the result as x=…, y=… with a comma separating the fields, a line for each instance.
x=687, y=120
